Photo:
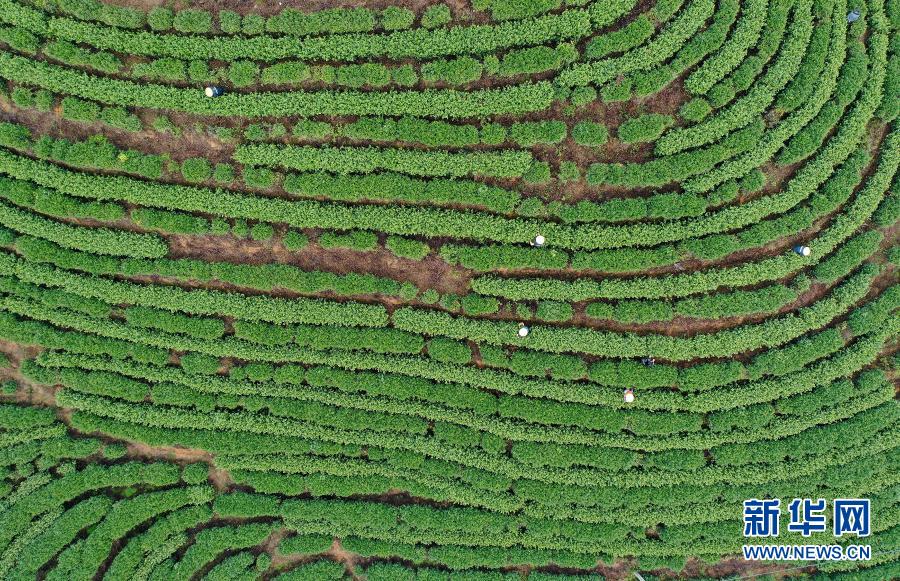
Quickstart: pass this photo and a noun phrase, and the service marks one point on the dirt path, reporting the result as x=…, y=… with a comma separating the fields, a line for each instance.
x=430, y=273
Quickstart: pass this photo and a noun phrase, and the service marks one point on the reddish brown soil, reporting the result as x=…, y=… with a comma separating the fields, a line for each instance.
x=28, y=392
x=171, y=453
x=338, y=553
x=430, y=273
x=189, y=144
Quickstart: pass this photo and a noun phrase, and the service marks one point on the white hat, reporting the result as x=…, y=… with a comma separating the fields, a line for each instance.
x=539, y=240
x=629, y=395
x=524, y=330
x=209, y=91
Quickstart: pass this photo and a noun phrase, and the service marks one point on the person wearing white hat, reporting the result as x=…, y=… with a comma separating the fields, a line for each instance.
x=803, y=251
x=539, y=240
x=628, y=396
x=214, y=91
x=524, y=330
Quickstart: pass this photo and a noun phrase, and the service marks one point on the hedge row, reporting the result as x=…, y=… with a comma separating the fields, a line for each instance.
x=661, y=47
x=726, y=343
x=511, y=230
x=344, y=160
x=98, y=240
x=437, y=103
x=743, y=37
x=200, y=301
x=749, y=106
x=422, y=44
x=775, y=137
x=693, y=378
x=844, y=226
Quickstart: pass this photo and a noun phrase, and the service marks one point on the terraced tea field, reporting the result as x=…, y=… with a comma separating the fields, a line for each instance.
x=484, y=290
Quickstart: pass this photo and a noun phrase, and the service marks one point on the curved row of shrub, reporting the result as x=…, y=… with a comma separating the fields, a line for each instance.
x=559, y=324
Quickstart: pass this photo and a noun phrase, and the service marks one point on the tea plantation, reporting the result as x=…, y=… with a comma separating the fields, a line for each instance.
x=477, y=290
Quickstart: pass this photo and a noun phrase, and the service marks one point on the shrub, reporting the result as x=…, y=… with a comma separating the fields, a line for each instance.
x=569, y=172
x=538, y=173
x=192, y=21
x=23, y=97
x=644, y=128
x=622, y=40
x=309, y=129
x=554, y=311
x=473, y=304
x=430, y=297
x=229, y=21
x=294, y=240
x=277, y=131
x=537, y=59
x=198, y=71
x=754, y=181
x=397, y=18
x=590, y=133
x=19, y=40
x=164, y=124
x=223, y=173
x=121, y=118
x=404, y=76
x=492, y=134
x=196, y=169
x=359, y=240
x=436, y=15
x=408, y=291
x=253, y=24
x=114, y=451
x=199, y=363
x=79, y=110
x=583, y=95
x=262, y=231
x=407, y=247
x=285, y=73
x=449, y=351
x=44, y=100
x=166, y=69
x=258, y=177
x=888, y=210
x=529, y=133
x=642, y=311
x=243, y=73
x=695, y=110
x=456, y=71
x=600, y=310
x=518, y=9
x=848, y=256
x=240, y=229
x=255, y=132
x=328, y=21
x=616, y=91
x=160, y=18
x=197, y=473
